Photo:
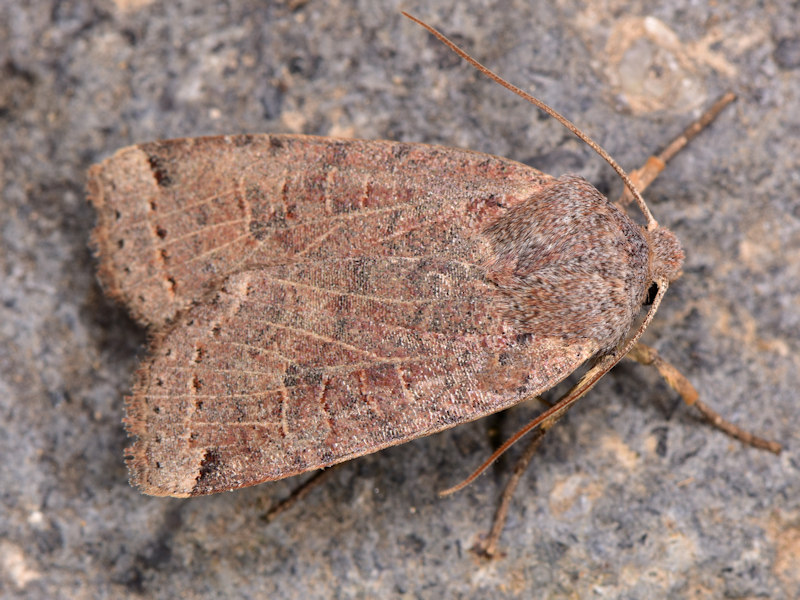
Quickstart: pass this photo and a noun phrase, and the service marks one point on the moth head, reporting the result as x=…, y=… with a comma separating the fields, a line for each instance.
x=666, y=254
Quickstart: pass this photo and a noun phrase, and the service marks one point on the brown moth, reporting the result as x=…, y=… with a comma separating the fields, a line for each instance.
x=314, y=299
x=342, y=296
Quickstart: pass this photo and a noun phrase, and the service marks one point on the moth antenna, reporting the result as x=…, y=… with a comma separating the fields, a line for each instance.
x=651, y=222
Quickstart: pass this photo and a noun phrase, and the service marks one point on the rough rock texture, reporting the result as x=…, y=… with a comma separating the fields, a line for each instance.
x=631, y=496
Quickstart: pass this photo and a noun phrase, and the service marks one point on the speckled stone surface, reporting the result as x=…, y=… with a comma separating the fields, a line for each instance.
x=631, y=496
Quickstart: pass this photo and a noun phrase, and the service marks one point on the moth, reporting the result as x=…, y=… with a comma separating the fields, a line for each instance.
x=311, y=300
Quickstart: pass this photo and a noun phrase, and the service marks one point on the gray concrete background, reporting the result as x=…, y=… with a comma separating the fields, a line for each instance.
x=632, y=496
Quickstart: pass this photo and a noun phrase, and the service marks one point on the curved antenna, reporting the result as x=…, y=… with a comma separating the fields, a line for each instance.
x=651, y=222
x=549, y=417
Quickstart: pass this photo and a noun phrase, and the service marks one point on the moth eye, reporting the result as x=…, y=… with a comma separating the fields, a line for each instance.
x=651, y=294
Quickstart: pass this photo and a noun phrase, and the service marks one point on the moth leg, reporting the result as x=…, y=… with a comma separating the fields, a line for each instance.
x=543, y=423
x=649, y=356
x=645, y=175
x=646, y=356
x=488, y=546
x=297, y=494
x=538, y=426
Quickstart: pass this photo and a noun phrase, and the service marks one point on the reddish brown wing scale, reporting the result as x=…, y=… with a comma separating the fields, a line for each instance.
x=280, y=373
x=175, y=217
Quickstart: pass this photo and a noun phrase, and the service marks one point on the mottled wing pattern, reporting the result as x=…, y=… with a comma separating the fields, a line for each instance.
x=176, y=217
x=292, y=368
